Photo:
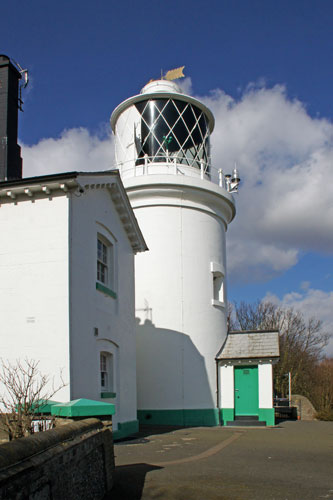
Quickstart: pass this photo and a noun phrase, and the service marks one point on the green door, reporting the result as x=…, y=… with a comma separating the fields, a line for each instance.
x=246, y=390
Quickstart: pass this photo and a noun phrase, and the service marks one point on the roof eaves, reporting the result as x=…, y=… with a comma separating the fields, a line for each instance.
x=127, y=217
x=233, y=332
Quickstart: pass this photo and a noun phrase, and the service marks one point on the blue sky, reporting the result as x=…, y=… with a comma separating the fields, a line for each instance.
x=263, y=66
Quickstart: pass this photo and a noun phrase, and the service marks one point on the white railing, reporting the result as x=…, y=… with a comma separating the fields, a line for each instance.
x=158, y=165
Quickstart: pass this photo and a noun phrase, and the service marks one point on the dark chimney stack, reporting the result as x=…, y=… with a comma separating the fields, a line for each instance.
x=10, y=151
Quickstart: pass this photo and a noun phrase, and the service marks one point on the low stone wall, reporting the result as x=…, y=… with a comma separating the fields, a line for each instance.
x=73, y=461
x=305, y=409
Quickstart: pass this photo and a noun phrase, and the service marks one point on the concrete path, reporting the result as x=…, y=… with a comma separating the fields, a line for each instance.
x=291, y=461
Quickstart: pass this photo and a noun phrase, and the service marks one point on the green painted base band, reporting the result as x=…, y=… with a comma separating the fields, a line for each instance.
x=227, y=415
x=202, y=417
x=268, y=415
x=106, y=290
x=126, y=429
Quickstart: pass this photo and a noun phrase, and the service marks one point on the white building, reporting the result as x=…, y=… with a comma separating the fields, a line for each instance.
x=245, y=369
x=67, y=284
x=67, y=276
x=183, y=206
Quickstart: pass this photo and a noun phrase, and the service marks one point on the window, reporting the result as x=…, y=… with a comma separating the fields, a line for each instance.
x=218, y=287
x=106, y=371
x=102, y=262
x=218, y=284
x=106, y=271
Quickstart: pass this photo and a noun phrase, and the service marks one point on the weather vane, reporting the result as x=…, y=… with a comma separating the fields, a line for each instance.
x=172, y=74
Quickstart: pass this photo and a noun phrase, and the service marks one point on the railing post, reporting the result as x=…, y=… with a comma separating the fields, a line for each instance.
x=145, y=172
x=220, y=177
x=202, y=170
x=175, y=163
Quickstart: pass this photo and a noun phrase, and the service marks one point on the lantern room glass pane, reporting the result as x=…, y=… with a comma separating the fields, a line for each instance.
x=172, y=129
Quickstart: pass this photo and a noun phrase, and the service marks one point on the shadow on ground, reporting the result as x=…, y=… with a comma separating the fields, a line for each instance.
x=129, y=481
x=149, y=430
x=282, y=420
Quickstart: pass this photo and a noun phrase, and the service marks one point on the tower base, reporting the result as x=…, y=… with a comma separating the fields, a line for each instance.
x=205, y=417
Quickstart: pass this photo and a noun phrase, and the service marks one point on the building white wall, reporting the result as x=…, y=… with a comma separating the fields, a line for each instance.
x=265, y=376
x=227, y=386
x=50, y=307
x=184, y=223
x=265, y=385
x=34, y=291
x=91, y=213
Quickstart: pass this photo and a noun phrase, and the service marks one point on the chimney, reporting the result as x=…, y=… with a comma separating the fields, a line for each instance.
x=10, y=151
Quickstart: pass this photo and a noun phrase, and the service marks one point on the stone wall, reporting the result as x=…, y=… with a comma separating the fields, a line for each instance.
x=74, y=461
x=305, y=409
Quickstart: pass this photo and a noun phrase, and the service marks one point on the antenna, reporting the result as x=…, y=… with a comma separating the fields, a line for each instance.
x=232, y=181
x=24, y=74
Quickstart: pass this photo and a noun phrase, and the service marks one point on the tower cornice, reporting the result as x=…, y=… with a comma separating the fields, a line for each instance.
x=186, y=192
x=161, y=95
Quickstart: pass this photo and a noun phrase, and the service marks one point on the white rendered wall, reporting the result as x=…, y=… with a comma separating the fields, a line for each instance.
x=91, y=213
x=183, y=221
x=227, y=391
x=265, y=376
x=34, y=285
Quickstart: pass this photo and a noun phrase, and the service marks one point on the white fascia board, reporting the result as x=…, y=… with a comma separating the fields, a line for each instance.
x=112, y=182
x=22, y=190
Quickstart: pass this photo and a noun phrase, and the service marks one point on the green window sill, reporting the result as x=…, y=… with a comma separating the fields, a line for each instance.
x=106, y=290
x=106, y=395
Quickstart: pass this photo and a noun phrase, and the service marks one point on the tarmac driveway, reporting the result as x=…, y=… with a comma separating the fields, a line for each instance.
x=291, y=461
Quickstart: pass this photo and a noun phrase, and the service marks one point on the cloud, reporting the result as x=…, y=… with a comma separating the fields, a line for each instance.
x=312, y=303
x=74, y=150
x=285, y=159
x=186, y=85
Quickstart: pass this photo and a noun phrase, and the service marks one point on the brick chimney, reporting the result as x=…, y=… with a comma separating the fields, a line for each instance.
x=10, y=151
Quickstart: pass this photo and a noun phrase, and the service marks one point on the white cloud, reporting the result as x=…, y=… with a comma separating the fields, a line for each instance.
x=186, y=85
x=74, y=150
x=312, y=303
x=285, y=159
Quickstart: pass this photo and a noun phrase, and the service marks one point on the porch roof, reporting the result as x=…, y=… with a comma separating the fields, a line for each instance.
x=250, y=344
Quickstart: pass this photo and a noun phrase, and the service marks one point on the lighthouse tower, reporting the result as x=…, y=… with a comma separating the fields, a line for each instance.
x=183, y=206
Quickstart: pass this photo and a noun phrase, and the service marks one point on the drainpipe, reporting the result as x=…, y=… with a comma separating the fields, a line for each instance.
x=218, y=391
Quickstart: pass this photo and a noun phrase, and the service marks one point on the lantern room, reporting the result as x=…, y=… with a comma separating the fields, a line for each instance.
x=162, y=127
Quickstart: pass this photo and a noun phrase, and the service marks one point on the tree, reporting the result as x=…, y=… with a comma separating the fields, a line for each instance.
x=24, y=391
x=323, y=390
x=301, y=342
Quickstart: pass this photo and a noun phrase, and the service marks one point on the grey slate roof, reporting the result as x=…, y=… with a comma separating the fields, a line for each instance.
x=250, y=344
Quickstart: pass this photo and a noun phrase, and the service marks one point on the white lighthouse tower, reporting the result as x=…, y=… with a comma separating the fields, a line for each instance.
x=183, y=206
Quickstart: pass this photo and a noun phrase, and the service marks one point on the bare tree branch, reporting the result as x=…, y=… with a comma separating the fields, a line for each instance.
x=24, y=390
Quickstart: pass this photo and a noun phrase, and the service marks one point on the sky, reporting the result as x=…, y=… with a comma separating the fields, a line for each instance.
x=264, y=69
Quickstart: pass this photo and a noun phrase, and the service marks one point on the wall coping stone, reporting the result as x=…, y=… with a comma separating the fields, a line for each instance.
x=20, y=449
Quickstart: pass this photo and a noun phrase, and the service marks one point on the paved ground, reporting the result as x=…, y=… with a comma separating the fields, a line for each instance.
x=291, y=461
